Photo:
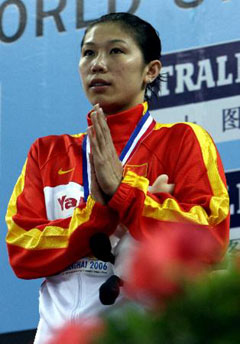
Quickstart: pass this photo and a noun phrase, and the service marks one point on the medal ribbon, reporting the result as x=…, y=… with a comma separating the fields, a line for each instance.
x=143, y=129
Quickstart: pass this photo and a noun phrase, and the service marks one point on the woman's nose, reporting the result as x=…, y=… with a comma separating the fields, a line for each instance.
x=99, y=64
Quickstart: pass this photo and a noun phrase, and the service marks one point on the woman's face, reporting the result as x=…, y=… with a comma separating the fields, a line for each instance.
x=112, y=69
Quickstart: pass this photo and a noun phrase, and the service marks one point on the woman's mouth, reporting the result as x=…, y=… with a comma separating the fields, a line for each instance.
x=99, y=84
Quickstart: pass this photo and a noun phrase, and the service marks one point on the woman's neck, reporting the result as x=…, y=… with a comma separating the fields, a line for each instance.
x=112, y=109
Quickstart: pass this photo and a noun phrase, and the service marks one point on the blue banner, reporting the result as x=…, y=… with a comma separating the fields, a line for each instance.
x=197, y=75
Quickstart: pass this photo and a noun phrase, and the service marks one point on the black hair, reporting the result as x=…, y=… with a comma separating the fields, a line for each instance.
x=145, y=36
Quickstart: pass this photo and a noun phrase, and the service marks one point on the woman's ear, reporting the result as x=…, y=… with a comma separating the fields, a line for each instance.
x=152, y=71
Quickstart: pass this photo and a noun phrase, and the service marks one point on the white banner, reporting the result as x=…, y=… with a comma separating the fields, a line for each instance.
x=220, y=117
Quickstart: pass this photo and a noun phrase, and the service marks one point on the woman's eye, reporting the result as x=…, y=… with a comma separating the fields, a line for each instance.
x=116, y=51
x=88, y=52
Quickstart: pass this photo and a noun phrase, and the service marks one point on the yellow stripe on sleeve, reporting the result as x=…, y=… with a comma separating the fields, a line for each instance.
x=52, y=236
x=219, y=203
x=170, y=210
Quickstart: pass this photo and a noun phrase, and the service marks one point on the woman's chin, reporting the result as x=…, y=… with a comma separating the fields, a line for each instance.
x=108, y=106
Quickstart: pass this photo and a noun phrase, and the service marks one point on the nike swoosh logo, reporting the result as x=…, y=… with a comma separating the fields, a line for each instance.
x=61, y=171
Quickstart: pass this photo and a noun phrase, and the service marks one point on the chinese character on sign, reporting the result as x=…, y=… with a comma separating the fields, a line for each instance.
x=231, y=118
x=186, y=119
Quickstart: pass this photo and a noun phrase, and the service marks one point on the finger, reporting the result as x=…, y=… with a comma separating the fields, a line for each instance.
x=93, y=142
x=161, y=185
x=91, y=164
x=102, y=119
x=104, y=128
x=93, y=174
x=161, y=180
x=171, y=188
x=95, y=189
x=100, y=137
x=102, y=165
x=109, y=146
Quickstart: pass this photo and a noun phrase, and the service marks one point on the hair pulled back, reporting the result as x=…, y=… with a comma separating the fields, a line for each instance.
x=143, y=33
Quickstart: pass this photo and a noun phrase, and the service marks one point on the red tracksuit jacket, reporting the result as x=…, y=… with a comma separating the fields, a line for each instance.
x=49, y=229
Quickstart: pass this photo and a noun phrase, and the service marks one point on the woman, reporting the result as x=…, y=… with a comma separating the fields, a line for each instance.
x=49, y=229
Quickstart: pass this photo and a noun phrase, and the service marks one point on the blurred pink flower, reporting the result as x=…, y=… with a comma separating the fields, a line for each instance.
x=78, y=332
x=168, y=258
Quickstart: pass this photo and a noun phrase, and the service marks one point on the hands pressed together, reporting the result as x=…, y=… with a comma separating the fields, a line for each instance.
x=106, y=168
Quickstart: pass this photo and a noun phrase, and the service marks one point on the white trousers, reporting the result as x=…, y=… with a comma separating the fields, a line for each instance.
x=71, y=295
